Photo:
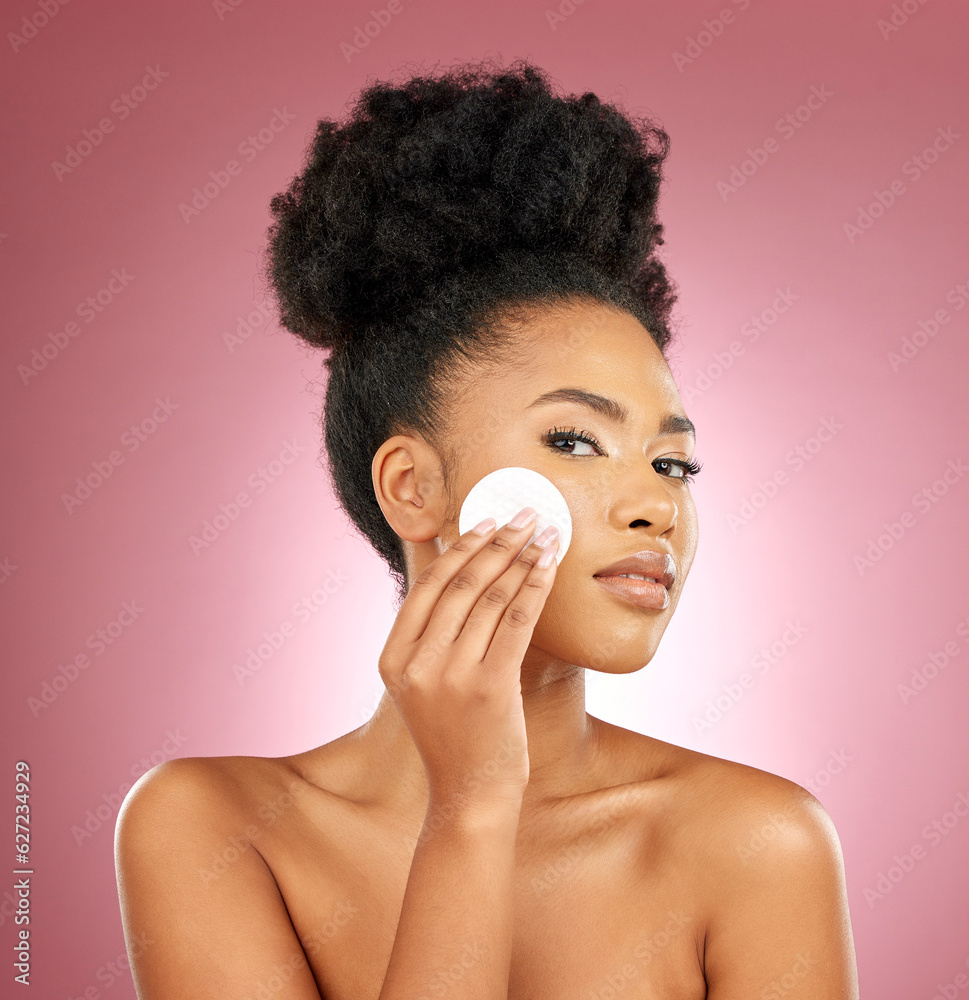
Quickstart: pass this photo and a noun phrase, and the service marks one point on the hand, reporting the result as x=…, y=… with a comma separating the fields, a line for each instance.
x=452, y=662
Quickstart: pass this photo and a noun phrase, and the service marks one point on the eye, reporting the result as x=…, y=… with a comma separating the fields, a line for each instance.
x=687, y=470
x=571, y=436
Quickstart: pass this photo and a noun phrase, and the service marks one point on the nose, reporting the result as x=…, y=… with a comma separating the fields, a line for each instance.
x=636, y=496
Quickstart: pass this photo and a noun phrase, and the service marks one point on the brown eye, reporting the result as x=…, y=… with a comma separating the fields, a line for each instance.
x=687, y=469
x=572, y=436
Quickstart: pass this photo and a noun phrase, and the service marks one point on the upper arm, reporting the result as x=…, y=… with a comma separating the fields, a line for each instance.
x=780, y=925
x=193, y=928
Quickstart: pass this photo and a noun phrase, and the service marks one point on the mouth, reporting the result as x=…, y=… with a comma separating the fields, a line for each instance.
x=644, y=593
x=644, y=579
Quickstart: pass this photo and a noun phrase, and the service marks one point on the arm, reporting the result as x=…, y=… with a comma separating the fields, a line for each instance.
x=455, y=927
x=190, y=937
x=780, y=926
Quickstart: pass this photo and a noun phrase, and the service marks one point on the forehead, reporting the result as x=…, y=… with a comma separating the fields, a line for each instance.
x=589, y=345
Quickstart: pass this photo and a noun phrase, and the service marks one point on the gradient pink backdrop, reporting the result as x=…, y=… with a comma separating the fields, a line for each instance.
x=828, y=712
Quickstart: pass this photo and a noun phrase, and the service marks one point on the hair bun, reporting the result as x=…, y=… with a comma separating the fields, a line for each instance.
x=444, y=174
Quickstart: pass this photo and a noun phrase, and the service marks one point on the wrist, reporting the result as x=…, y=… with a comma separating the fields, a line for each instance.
x=460, y=812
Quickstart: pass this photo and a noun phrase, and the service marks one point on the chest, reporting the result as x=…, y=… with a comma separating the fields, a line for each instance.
x=591, y=920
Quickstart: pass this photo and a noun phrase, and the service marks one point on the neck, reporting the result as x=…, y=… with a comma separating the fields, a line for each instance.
x=563, y=740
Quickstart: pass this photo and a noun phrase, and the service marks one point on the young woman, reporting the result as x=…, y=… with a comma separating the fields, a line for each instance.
x=478, y=255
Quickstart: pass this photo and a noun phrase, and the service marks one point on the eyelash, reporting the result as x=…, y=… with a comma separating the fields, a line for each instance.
x=556, y=434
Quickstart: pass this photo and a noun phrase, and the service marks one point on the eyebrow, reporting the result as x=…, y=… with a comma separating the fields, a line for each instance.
x=672, y=423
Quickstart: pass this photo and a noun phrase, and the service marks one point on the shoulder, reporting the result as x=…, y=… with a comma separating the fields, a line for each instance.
x=190, y=877
x=187, y=788
x=769, y=877
x=732, y=814
x=738, y=799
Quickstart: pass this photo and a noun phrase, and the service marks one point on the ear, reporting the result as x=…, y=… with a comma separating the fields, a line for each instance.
x=408, y=481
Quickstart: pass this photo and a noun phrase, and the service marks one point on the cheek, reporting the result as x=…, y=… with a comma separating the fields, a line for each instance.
x=580, y=626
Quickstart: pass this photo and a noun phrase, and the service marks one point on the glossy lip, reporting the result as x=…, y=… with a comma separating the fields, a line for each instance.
x=658, y=565
x=642, y=593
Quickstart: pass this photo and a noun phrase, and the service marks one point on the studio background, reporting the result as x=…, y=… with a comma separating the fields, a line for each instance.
x=816, y=217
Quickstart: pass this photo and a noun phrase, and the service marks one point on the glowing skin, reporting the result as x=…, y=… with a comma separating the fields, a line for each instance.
x=621, y=501
x=627, y=865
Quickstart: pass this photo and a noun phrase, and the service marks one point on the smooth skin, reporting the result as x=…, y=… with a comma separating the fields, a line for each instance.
x=483, y=836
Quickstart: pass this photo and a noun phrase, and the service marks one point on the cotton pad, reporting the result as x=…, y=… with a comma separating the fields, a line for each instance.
x=502, y=494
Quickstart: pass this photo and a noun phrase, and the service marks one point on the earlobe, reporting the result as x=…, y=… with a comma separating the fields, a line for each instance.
x=409, y=486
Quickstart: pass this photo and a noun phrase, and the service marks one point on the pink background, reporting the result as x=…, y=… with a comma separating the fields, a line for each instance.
x=826, y=709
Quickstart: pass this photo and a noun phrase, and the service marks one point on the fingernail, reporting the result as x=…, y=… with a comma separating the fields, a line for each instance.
x=548, y=554
x=522, y=518
x=547, y=535
x=485, y=526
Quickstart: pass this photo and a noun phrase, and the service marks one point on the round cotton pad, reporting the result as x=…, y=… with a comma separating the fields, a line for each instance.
x=502, y=494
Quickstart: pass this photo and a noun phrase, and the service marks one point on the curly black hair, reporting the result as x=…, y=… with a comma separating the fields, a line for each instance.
x=439, y=210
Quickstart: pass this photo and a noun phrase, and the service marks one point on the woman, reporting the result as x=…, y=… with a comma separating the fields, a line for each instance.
x=479, y=255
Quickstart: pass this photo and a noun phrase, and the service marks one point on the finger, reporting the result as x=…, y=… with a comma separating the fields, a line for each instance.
x=500, y=626
x=416, y=608
x=473, y=578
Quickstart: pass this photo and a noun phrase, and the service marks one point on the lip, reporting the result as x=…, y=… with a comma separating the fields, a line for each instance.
x=642, y=593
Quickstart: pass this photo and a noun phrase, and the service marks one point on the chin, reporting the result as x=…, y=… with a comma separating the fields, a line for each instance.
x=604, y=654
x=591, y=628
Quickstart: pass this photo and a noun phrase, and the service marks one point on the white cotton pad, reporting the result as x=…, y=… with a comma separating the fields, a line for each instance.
x=502, y=494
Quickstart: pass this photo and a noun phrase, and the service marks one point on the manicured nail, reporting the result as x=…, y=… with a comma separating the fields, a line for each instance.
x=522, y=518
x=485, y=526
x=548, y=554
x=547, y=535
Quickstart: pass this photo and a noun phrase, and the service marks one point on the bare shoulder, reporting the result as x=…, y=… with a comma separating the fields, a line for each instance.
x=769, y=873
x=191, y=881
x=215, y=791
x=728, y=813
x=727, y=799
